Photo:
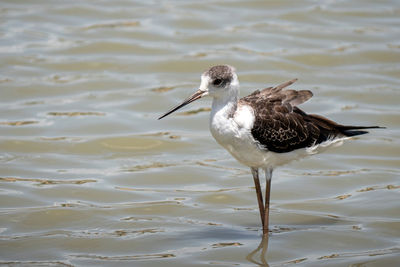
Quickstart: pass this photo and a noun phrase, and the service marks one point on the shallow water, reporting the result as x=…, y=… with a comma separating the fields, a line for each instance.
x=90, y=177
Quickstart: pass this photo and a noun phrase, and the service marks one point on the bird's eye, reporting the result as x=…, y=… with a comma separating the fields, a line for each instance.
x=217, y=82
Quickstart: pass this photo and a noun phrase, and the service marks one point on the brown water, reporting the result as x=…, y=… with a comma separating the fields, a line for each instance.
x=89, y=176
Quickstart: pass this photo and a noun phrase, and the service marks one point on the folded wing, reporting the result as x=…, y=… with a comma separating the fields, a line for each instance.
x=280, y=126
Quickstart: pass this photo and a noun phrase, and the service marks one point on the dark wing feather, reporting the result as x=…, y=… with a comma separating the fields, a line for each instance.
x=277, y=125
x=280, y=126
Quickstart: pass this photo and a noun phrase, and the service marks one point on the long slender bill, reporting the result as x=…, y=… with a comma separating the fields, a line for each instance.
x=197, y=95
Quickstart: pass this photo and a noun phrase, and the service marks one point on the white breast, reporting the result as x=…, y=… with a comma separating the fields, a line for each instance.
x=234, y=134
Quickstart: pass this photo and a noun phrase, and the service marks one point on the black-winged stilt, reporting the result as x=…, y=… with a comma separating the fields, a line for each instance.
x=265, y=129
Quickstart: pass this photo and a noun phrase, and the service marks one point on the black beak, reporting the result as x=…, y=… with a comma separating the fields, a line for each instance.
x=197, y=95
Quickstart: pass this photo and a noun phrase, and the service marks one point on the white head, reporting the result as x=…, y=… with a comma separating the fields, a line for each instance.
x=218, y=82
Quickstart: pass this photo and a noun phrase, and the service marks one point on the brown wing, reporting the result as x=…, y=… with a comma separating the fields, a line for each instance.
x=276, y=93
x=279, y=125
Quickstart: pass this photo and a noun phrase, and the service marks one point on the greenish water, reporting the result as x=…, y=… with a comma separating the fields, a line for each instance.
x=90, y=177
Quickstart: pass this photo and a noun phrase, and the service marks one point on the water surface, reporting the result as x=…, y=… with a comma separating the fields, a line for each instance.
x=89, y=176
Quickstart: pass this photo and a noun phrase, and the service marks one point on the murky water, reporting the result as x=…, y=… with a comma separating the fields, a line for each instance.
x=89, y=176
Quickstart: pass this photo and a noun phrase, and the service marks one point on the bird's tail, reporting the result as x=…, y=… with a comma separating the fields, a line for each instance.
x=355, y=130
x=327, y=127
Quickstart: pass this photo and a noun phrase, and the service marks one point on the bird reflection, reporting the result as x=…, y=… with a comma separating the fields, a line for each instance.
x=262, y=248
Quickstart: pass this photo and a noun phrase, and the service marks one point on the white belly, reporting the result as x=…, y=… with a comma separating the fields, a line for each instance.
x=245, y=150
x=239, y=144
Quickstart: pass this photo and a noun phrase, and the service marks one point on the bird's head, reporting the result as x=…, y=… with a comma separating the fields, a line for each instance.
x=218, y=82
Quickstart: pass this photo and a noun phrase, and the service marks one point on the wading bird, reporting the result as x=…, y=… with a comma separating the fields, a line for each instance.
x=265, y=129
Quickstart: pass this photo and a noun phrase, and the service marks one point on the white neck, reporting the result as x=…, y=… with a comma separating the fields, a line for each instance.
x=225, y=104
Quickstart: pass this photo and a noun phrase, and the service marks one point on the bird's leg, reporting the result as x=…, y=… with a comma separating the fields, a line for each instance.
x=268, y=176
x=254, y=171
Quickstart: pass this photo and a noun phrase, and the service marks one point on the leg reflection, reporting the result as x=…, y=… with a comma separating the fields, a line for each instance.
x=262, y=248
